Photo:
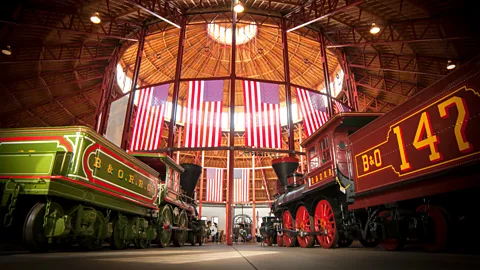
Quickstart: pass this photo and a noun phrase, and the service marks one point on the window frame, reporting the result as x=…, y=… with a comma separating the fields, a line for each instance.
x=310, y=157
x=326, y=150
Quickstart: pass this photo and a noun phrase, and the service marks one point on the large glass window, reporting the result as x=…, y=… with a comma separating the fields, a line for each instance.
x=325, y=150
x=313, y=157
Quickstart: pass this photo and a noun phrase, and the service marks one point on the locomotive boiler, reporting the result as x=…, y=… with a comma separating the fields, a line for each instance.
x=409, y=176
x=68, y=185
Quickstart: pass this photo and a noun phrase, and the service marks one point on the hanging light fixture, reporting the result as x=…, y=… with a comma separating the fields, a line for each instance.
x=238, y=7
x=374, y=29
x=96, y=18
x=7, y=51
x=450, y=65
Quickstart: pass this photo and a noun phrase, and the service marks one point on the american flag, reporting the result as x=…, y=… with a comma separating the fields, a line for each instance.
x=339, y=107
x=240, y=181
x=147, y=131
x=214, y=185
x=314, y=110
x=262, y=115
x=203, y=114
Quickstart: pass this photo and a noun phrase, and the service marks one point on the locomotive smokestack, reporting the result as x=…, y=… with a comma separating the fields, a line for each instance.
x=189, y=178
x=283, y=167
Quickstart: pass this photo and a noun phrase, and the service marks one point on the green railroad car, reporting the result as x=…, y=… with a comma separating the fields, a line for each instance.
x=66, y=185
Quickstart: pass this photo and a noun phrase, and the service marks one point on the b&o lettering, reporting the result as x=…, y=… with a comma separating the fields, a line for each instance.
x=366, y=167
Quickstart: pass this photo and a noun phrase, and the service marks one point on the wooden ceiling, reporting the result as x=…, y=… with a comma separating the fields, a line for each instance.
x=204, y=57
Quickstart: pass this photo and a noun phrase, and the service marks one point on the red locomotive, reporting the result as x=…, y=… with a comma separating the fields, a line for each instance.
x=409, y=176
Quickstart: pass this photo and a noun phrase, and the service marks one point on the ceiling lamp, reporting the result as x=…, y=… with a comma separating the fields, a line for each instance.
x=96, y=18
x=238, y=7
x=450, y=65
x=374, y=29
x=7, y=51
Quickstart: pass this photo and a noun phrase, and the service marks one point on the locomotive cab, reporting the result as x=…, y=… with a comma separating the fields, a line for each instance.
x=329, y=158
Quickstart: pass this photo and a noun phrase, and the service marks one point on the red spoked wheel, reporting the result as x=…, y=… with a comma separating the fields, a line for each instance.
x=390, y=244
x=326, y=224
x=303, y=222
x=287, y=220
x=279, y=240
x=440, y=227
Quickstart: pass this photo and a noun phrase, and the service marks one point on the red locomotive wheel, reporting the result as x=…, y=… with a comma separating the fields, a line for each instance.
x=279, y=240
x=390, y=244
x=288, y=241
x=440, y=226
x=326, y=224
x=303, y=222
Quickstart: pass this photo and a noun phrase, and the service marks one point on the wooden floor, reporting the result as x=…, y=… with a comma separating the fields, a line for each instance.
x=238, y=256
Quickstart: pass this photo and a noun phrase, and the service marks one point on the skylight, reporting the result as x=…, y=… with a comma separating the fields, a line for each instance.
x=222, y=33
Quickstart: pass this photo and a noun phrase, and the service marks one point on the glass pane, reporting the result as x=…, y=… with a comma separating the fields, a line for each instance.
x=313, y=157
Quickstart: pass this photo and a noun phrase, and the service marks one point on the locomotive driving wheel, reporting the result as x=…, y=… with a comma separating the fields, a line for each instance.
x=180, y=236
x=117, y=240
x=33, y=229
x=164, y=231
x=390, y=244
x=279, y=240
x=326, y=224
x=288, y=224
x=440, y=227
x=303, y=223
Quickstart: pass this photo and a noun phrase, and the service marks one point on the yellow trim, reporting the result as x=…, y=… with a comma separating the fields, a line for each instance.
x=405, y=118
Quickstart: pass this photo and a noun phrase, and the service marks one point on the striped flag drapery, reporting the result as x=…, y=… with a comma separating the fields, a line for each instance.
x=339, y=107
x=147, y=130
x=262, y=115
x=203, y=114
x=214, y=185
x=313, y=108
x=240, y=181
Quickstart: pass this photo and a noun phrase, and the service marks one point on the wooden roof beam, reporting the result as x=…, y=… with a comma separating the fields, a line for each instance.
x=301, y=17
x=26, y=25
x=166, y=13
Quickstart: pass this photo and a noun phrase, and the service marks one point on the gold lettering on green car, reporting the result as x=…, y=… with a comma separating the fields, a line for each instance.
x=110, y=169
x=98, y=163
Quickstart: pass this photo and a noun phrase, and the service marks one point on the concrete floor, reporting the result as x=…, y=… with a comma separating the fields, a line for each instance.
x=238, y=256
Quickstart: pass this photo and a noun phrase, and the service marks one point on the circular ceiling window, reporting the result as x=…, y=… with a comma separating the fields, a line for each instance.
x=222, y=32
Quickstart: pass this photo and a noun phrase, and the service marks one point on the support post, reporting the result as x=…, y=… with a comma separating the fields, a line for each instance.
x=288, y=92
x=201, y=185
x=326, y=74
x=300, y=138
x=131, y=99
x=176, y=86
x=231, y=157
x=254, y=216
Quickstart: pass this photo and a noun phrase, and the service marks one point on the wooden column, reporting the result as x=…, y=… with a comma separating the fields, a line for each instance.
x=288, y=92
x=131, y=98
x=176, y=86
x=231, y=153
x=326, y=74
